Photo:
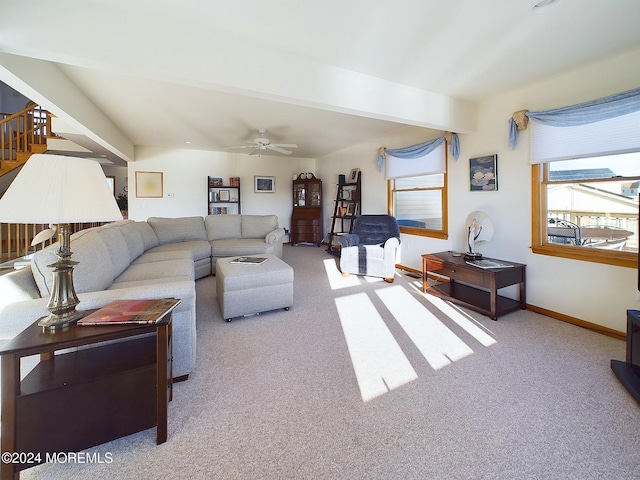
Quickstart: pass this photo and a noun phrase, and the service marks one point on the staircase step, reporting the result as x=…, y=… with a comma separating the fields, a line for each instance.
x=38, y=148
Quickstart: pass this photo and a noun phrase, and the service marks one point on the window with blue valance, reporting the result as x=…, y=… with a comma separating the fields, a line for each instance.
x=612, y=122
x=427, y=157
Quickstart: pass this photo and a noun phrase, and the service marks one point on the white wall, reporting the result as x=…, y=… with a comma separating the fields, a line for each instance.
x=185, y=176
x=592, y=292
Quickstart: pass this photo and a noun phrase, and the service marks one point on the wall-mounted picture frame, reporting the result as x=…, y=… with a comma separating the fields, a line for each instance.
x=353, y=175
x=483, y=173
x=262, y=184
x=149, y=184
x=223, y=195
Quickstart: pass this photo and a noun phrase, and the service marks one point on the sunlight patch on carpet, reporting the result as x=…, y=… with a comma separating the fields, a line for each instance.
x=379, y=363
x=463, y=320
x=336, y=280
x=439, y=345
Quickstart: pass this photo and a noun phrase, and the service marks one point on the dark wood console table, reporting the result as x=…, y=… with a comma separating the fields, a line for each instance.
x=76, y=400
x=474, y=287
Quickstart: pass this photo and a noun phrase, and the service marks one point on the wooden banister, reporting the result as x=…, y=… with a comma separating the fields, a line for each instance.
x=19, y=132
x=15, y=239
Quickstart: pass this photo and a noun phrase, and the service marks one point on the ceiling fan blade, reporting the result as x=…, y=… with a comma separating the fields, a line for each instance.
x=278, y=149
x=239, y=146
x=285, y=145
x=255, y=151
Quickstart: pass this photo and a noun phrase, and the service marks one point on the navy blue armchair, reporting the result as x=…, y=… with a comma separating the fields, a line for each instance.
x=371, y=247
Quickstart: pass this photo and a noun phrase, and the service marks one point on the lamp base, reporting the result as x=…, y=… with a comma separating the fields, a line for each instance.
x=472, y=256
x=63, y=299
x=55, y=321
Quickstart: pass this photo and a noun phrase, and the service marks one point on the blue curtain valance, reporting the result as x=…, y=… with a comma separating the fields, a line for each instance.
x=421, y=149
x=580, y=114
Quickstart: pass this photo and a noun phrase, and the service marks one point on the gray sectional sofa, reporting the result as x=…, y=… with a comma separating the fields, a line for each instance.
x=159, y=258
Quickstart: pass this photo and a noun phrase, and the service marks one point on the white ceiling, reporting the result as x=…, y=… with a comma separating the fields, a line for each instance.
x=213, y=72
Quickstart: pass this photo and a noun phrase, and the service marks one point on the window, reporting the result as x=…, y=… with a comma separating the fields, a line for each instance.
x=418, y=192
x=587, y=208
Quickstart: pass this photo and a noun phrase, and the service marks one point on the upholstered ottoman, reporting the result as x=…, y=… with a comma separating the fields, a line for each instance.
x=248, y=289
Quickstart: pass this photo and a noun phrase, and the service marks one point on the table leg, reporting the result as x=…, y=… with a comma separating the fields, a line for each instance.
x=10, y=391
x=162, y=400
x=494, y=297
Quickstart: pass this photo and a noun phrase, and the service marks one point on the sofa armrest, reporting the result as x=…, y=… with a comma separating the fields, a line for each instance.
x=274, y=236
x=349, y=239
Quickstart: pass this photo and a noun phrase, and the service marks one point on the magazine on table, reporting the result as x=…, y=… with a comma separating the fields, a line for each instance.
x=131, y=312
x=249, y=260
x=486, y=263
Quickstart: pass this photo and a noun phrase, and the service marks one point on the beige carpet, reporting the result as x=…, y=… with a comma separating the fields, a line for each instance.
x=395, y=388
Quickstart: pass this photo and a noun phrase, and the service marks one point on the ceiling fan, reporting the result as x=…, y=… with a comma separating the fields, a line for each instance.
x=262, y=144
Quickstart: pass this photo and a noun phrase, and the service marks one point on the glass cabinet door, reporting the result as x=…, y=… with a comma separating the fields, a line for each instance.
x=299, y=195
x=314, y=194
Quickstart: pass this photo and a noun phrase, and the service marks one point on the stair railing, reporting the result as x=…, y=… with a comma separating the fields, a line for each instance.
x=20, y=130
x=16, y=238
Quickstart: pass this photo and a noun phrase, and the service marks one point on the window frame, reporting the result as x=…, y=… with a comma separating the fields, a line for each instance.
x=539, y=244
x=442, y=234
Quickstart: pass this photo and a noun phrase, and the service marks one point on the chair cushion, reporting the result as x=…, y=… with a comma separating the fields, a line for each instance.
x=375, y=229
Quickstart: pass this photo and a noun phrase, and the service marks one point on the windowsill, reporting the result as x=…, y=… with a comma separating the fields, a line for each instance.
x=422, y=232
x=621, y=259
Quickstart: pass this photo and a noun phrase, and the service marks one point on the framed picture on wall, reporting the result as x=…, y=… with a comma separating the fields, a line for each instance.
x=483, y=173
x=149, y=184
x=264, y=184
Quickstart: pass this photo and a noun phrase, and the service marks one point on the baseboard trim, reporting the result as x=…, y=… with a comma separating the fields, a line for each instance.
x=610, y=332
x=550, y=313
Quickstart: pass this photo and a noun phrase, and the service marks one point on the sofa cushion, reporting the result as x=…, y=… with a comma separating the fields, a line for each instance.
x=151, y=256
x=257, y=226
x=93, y=272
x=155, y=270
x=149, y=237
x=239, y=246
x=117, y=247
x=199, y=249
x=221, y=227
x=132, y=236
x=183, y=229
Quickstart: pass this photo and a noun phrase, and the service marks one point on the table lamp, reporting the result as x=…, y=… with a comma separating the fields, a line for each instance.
x=58, y=189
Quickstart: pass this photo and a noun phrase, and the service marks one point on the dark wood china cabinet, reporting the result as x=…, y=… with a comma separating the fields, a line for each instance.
x=306, y=219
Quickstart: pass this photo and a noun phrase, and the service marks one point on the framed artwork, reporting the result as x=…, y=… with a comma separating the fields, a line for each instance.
x=149, y=184
x=483, y=173
x=351, y=209
x=264, y=184
x=353, y=176
x=223, y=195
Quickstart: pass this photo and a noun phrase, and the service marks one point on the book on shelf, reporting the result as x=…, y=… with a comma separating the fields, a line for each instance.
x=249, y=260
x=486, y=263
x=131, y=312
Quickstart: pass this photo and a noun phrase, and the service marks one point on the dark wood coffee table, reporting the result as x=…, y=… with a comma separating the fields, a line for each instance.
x=76, y=400
x=474, y=287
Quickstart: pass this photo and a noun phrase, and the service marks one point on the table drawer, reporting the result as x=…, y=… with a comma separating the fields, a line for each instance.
x=456, y=272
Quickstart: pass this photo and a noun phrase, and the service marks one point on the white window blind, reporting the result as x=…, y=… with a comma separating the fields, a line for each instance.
x=434, y=162
x=607, y=137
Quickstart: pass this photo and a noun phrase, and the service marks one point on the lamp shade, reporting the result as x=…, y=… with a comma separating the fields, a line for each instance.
x=59, y=189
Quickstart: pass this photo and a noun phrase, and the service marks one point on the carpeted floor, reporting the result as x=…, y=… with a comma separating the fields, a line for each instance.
x=368, y=380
